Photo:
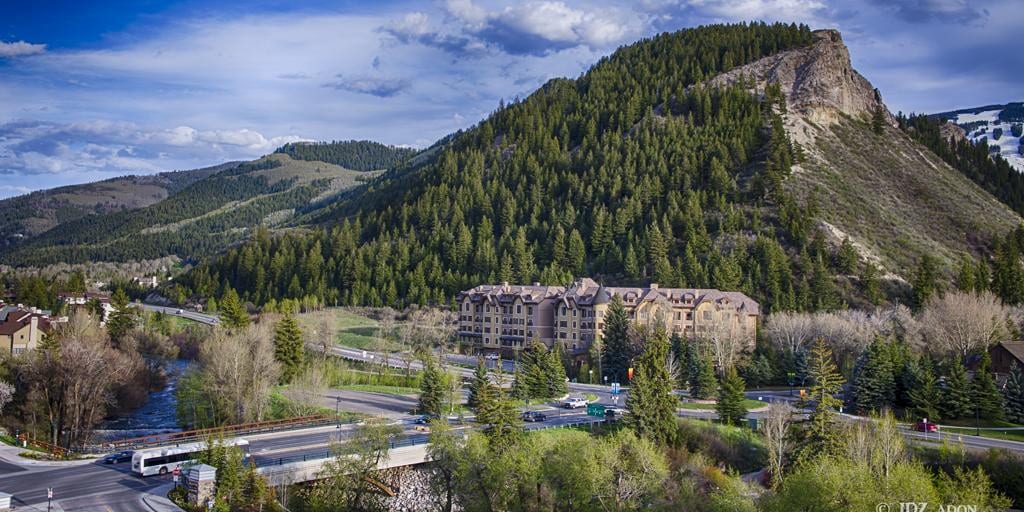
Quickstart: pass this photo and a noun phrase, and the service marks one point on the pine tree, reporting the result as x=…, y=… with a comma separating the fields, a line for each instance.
x=869, y=284
x=925, y=396
x=123, y=317
x=965, y=279
x=533, y=378
x=878, y=120
x=730, y=407
x=501, y=420
x=955, y=391
x=554, y=373
x=1013, y=394
x=617, y=351
x=826, y=382
x=478, y=384
x=288, y=347
x=433, y=389
x=232, y=314
x=874, y=384
x=985, y=396
x=846, y=257
x=651, y=401
x=701, y=372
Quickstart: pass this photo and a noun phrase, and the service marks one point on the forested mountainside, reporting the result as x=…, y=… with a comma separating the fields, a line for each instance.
x=202, y=218
x=624, y=173
x=26, y=216
x=648, y=169
x=358, y=155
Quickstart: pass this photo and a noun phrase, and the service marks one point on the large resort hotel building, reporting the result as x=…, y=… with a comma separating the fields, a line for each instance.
x=503, y=318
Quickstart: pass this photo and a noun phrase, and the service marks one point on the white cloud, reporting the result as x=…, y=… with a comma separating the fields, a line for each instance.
x=20, y=49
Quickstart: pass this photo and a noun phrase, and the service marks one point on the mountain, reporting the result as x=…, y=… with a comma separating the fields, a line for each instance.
x=889, y=194
x=999, y=126
x=28, y=215
x=658, y=164
x=202, y=218
x=358, y=155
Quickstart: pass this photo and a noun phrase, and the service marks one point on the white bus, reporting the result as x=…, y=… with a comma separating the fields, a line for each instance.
x=163, y=460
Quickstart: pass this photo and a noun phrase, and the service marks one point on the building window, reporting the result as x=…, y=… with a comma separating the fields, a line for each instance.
x=563, y=310
x=573, y=324
x=574, y=312
x=519, y=309
x=708, y=316
x=689, y=315
x=529, y=310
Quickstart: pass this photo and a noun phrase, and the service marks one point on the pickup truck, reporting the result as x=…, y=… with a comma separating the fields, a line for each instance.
x=575, y=403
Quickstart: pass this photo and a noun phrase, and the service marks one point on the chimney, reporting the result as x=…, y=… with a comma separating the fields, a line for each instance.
x=654, y=286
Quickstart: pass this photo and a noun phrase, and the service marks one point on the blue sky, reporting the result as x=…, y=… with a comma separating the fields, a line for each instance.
x=92, y=90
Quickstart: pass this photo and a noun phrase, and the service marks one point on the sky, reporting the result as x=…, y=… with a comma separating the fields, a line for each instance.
x=91, y=90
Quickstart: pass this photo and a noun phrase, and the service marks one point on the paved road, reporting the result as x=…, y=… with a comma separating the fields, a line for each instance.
x=185, y=313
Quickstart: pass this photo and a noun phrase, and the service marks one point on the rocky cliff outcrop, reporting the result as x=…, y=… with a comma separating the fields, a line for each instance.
x=819, y=81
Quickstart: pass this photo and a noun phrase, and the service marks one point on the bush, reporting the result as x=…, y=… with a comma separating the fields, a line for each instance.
x=739, y=448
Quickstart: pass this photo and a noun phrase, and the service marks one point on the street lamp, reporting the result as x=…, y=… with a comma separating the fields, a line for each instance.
x=590, y=380
x=337, y=411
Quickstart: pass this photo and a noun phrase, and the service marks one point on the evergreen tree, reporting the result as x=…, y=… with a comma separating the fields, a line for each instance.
x=925, y=396
x=702, y=373
x=730, y=407
x=478, y=384
x=288, y=347
x=925, y=284
x=826, y=382
x=534, y=377
x=869, y=284
x=679, y=352
x=984, y=394
x=1013, y=394
x=874, y=383
x=555, y=373
x=965, y=279
x=500, y=418
x=123, y=317
x=955, y=391
x=617, y=350
x=846, y=257
x=651, y=401
x=232, y=314
x=878, y=120
x=433, y=389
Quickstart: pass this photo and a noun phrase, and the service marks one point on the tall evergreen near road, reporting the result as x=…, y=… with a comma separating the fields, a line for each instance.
x=1013, y=394
x=288, y=347
x=651, y=402
x=874, y=384
x=232, y=312
x=478, y=385
x=701, y=372
x=985, y=396
x=730, y=408
x=826, y=382
x=433, y=390
x=925, y=396
x=955, y=391
x=617, y=349
x=122, y=319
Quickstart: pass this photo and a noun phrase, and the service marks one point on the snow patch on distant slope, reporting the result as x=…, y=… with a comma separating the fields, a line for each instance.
x=1009, y=146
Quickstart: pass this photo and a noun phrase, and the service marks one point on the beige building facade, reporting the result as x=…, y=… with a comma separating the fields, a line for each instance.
x=503, y=318
x=22, y=329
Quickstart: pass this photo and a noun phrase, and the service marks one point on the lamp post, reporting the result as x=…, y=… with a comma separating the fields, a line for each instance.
x=590, y=380
x=337, y=412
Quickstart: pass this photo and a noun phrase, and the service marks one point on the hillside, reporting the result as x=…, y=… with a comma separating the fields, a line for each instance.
x=358, y=155
x=893, y=197
x=201, y=218
x=999, y=126
x=26, y=216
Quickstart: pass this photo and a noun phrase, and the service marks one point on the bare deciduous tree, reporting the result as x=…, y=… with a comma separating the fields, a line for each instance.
x=960, y=323
x=242, y=369
x=776, y=438
x=789, y=331
x=6, y=394
x=305, y=393
x=726, y=341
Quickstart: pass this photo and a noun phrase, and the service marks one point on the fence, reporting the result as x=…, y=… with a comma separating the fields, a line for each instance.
x=205, y=433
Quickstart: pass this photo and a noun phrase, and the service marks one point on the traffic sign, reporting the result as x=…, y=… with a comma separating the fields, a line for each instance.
x=176, y=472
x=49, y=493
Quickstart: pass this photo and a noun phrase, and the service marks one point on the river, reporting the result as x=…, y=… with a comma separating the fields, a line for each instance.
x=158, y=415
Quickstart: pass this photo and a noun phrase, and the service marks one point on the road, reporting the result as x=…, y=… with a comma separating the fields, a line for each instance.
x=184, y=313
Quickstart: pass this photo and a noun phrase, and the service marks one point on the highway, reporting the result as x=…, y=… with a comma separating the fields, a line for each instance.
x=184, y=313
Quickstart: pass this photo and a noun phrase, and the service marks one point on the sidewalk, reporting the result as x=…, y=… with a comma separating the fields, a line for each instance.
x=11, y=455
x=156, y=500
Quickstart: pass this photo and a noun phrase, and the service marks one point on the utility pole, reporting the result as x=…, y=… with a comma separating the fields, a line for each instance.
x=337, y=411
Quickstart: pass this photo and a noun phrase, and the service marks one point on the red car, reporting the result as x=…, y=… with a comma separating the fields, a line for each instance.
x=926, y=427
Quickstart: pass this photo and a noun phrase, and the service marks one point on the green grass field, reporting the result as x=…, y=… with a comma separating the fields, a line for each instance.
x=749, y=404
x=1006, y=435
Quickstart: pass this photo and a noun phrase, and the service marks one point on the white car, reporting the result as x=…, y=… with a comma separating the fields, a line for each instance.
x=575, y=403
